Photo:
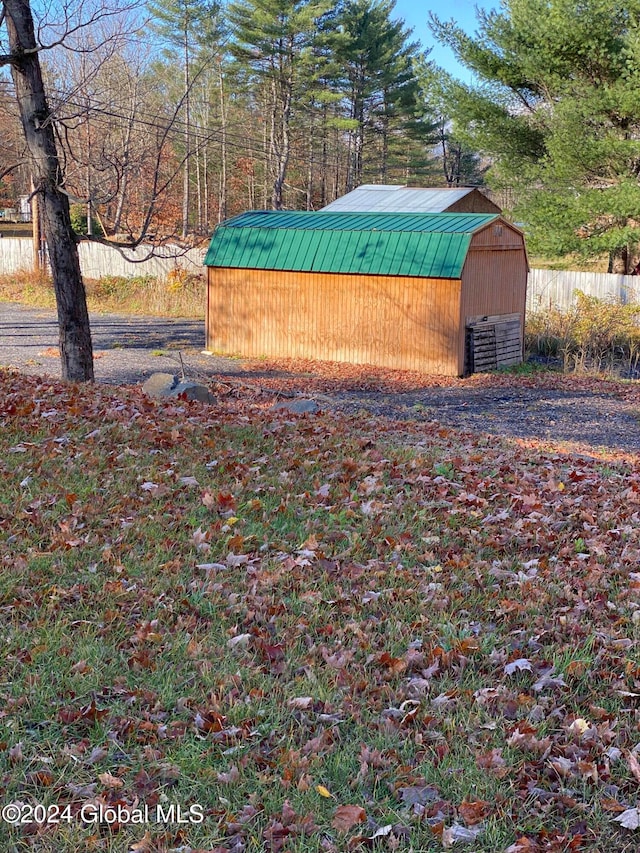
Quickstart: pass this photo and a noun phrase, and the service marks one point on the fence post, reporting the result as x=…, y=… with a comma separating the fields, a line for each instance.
x=35, y=226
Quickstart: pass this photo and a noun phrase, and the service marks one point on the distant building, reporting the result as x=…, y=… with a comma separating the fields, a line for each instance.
x=24, y=208
x=387, y=198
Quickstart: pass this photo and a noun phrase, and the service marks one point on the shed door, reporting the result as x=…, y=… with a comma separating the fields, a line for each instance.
x=493, y=342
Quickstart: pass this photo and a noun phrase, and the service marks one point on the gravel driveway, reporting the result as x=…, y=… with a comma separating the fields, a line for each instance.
x=128, y=349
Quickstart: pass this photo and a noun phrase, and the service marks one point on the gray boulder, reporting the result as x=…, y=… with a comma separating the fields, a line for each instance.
x=167, y=385
x=194, y=391
x=160, y=385
x=297, y=407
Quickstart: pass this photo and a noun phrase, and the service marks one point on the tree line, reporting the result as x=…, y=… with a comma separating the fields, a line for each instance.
x=183, y=112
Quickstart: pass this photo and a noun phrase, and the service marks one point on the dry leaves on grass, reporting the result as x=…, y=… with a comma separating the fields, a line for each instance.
x=345, y=626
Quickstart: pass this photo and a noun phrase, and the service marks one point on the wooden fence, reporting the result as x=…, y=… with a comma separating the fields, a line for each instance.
x=98, y=260
x=545, y=288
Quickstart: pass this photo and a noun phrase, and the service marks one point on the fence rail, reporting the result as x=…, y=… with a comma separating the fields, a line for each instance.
x=545, y=288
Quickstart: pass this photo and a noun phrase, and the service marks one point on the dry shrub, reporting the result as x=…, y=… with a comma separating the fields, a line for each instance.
x=183, y=294
x=593, y=335
x=28, y=287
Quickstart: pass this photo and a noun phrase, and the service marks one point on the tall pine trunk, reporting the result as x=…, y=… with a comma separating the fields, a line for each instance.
x=76, y=351
x=222, y=202
x=186, y=176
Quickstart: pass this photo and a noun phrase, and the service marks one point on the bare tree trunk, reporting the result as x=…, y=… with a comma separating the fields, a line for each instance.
x=124, y=180
x=36, y=229
x=205, y=185
x=186, y=201
x=76, y=351
x=384, y=157
x=324, y=162
x=619, y=261
x=309, y=192
x=198, y=185
x=267, y=153
x=222, y=202
x=282, y=157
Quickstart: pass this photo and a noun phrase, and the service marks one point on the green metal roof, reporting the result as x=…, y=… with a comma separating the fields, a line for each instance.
x=426, y=244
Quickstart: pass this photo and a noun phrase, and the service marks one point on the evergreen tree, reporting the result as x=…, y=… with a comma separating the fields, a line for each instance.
x=378, y=79
x=559, y=111
x=457, y=163
x=270, y=41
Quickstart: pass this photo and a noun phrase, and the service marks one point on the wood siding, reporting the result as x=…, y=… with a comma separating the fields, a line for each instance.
x=494, y=278
x=398, y=322
x=474, y=202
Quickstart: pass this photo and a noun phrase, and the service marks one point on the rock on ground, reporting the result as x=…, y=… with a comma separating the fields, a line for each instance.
x=167, y=385
x=298, y=407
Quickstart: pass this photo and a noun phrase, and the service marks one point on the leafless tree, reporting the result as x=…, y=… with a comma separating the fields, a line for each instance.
x=22, y=40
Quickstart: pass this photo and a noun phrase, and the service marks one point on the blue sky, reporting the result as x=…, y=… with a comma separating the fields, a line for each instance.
x=416, y=15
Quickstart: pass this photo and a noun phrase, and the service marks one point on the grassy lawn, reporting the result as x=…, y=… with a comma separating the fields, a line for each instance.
x=310, y=634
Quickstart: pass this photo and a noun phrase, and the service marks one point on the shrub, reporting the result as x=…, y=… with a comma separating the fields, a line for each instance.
x=78, y=214
x=118, y=288
x=594, y=334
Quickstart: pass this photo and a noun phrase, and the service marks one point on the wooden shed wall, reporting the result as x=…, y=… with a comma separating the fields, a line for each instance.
x=474, y=202
x=399, y=322
x=494, y=277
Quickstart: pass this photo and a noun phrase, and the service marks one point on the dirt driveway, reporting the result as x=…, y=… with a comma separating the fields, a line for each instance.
x=584, y=413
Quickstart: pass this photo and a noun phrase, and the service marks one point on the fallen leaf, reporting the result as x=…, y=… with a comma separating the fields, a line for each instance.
x=231, y=776
x=634, y=765
x=458, y=834
x=518, y=665
x=630, y=819
x=110, y=781
x=300, y=703
x=346, y=817
x=324, y=792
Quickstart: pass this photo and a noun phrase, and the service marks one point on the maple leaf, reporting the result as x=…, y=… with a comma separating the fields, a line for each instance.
x=548, y=679
x=346, y=817
x=200, y=539
x=473, y=811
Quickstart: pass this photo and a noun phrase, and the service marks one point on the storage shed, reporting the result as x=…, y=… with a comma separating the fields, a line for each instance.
x=392, y=198
x=439, y=293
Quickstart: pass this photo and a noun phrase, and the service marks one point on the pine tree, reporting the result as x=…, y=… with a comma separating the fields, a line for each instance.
x=378, y=79
x=270, y=40
x=559, y=112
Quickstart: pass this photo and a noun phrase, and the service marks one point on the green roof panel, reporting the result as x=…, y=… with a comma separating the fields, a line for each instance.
x=429, y=245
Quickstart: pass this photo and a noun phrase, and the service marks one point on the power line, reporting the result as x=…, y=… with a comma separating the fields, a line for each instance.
x=198, y=132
